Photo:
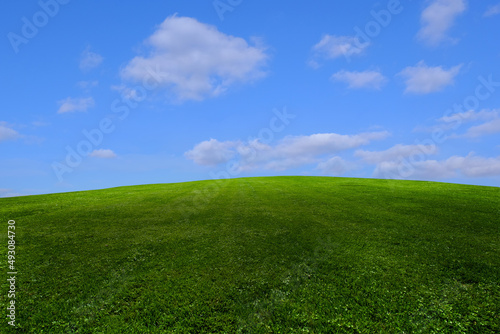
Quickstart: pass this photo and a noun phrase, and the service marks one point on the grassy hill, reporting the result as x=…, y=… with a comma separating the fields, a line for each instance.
x=257, y=255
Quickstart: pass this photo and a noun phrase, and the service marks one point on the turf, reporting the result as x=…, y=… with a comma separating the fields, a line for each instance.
x=257, y=255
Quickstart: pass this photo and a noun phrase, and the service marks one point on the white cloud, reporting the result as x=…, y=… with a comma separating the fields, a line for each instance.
x=423, y=79
x=89, y=60
x=471, y=115
x=396, y=152
x=474, y=166
x=212, y=152
x=325, y=143
x=75, y=104
x=195, y=60
x=484, y=129
x=411, y=162
x=335, y=166
x=490, y=125
x=470, y=166
x=454, y=121
x=331, y=47
x=103, y=154
x=366, y=79
x=492, y=10
x=438, y=18
x=289, y=152
x=421, y=170
x=6, y=133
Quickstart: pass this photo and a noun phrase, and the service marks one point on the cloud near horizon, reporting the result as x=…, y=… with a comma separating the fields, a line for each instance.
x=470, y=166
x=195, y=61
x=336, y=166
x=412, y=162
x=4, y=192
x=287, y=153
x=396, y=152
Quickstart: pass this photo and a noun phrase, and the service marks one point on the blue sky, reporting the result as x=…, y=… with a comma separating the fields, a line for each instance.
x=97, y=95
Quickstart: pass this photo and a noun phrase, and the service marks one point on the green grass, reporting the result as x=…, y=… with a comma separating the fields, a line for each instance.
x=257, y=255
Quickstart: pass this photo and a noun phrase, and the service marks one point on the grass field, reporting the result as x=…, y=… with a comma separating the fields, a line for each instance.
x=257, y=255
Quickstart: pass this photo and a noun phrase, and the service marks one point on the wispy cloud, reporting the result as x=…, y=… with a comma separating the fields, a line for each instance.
x=289, y=152
x=103, y=154
x=471, y=115
x=484, y=129
x=336, y=166
x=75, y=104
x=7, y=133
x=89, y=60
x=197, y=61
x=366, y=79
x=396, y=152
x=423, y=79
x=484, y=122
x=437, y=19
x=332, y=46
x=470, y=166
x=492, y=11
x=490, y=122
